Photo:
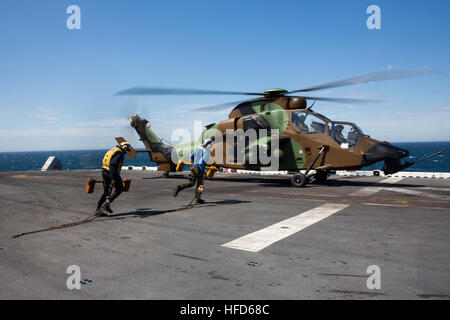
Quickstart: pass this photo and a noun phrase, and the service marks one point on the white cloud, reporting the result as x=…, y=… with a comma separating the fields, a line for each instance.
x=45, y=114
x=22, y=133
x=68, y=131
x=104, y=127
x=105, y=123
x=443, y=108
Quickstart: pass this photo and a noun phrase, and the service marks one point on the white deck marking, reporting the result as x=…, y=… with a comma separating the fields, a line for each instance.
x=299, y=194
x=367, y=191
x=418, y=193
x=263, y=238
x=391, y=180
x=435, y=189
x=385, y=205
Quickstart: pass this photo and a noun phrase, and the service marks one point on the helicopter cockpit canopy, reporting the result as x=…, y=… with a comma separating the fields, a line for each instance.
x=308, y=123
x=346, y=134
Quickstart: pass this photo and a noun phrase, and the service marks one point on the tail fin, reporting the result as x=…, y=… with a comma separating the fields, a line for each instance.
x=157, y=150
x=131, y=152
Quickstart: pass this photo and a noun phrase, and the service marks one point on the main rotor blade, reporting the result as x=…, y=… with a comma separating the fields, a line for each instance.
x=370, y=77
x=337, y=100
x=176, y=91
x=220, y=106
x=343, y=100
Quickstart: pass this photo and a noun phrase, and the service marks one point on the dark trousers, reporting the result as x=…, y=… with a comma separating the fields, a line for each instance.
x=118, y=188
x=195, y=177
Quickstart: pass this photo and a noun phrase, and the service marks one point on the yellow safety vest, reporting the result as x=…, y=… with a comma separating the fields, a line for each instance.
x=108, y=156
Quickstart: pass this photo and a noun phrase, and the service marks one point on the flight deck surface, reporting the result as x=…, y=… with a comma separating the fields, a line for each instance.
x=254, y=238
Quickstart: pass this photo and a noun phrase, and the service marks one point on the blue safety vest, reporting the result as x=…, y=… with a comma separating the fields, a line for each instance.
x=199, y=157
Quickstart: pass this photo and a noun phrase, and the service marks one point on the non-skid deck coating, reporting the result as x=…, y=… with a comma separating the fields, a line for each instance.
x=402, y=226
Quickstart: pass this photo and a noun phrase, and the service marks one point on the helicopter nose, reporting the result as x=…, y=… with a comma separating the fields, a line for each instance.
x=383, y=151
x=393, y=152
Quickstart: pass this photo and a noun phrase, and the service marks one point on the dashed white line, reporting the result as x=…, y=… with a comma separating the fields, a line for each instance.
x=263, y=238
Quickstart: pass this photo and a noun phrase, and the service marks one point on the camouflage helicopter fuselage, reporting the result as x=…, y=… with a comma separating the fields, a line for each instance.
x=307, y=140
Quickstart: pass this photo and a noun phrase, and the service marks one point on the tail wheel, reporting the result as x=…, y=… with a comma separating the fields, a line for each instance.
x=299, y=180
x=166, y=174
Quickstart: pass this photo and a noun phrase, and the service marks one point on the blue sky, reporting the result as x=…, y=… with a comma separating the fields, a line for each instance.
x=57, y=85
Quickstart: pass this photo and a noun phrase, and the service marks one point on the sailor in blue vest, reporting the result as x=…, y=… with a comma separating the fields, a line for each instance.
x=199, y=159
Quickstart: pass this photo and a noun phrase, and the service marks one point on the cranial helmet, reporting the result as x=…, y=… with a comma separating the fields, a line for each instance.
x=208, y=141
x=128, y=149
x=125, y=146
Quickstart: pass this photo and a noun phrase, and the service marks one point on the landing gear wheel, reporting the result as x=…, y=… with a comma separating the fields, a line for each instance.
x=166, y=174
x=299, y=180
x=321, y=177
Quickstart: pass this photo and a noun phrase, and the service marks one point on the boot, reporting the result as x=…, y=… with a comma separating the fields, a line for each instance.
x=107, y=207
x=178, y=189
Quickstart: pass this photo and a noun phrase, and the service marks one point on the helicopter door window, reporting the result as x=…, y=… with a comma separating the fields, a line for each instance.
x=255, y=122
x=306, y=123
x=345, y=135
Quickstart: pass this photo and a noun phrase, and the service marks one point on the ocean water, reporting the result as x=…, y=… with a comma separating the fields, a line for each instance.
x=417, y=150
x=70, y=160
x=91, y=159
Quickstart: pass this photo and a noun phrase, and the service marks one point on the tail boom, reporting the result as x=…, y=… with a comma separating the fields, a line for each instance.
x=157, y=150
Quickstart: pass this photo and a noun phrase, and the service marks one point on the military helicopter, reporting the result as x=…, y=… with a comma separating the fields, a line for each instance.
x=310, y=145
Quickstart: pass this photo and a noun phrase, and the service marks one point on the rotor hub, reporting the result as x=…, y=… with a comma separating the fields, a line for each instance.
x=277, y=92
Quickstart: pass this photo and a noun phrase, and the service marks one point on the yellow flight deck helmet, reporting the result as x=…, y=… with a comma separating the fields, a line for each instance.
x=129, y=150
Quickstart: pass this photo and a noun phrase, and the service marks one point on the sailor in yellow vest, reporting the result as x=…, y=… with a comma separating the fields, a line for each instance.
x=111, y=166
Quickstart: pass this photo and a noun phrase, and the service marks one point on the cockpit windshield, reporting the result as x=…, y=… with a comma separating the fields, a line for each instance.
x=358, y=129
x=345, y=134
x=308, y=123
